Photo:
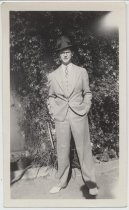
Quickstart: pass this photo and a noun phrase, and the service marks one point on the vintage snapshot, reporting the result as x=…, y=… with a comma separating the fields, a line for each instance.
x=64, y=96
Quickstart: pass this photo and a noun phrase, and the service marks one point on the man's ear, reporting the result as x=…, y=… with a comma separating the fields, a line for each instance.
x=72, y=53
x=58, y=54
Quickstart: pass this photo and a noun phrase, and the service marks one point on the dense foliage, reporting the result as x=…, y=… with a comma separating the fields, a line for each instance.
x=32, y=57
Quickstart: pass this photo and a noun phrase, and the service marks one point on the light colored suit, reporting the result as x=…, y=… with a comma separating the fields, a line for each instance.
x=70, y=110
x=79, y=97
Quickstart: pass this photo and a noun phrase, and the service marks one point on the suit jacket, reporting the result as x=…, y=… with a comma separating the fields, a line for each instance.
x=79, y=98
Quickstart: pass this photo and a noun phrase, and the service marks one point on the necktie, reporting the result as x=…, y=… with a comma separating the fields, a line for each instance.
x=66, y=75
x=66, y=71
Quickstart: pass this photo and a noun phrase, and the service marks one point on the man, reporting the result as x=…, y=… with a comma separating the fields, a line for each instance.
x=69, y=103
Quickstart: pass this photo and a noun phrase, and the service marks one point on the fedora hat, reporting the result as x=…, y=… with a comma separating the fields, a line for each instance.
x=63, y=43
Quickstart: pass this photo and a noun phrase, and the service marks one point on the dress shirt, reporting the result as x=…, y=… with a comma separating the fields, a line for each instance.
x=67, y=75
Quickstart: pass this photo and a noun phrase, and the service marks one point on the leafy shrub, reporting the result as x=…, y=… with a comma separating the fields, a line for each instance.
x=32, y=57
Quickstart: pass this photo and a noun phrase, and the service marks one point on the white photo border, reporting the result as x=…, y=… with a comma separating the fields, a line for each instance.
x=119, y=9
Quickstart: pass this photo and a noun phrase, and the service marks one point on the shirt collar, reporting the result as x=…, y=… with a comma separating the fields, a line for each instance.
x=69, y=66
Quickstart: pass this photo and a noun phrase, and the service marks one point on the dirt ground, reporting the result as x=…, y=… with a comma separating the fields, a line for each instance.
x=38, y=188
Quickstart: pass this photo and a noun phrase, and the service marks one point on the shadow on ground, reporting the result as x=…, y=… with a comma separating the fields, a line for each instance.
x=85, y=192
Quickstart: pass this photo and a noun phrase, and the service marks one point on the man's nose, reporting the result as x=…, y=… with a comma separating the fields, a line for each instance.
x=65, y=54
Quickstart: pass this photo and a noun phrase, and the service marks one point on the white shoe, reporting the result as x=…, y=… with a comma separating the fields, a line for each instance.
x=93, y=191
x=55, y=189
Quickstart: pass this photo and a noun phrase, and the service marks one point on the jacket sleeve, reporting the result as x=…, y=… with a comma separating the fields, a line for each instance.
x=87, y=95
x=51, y=95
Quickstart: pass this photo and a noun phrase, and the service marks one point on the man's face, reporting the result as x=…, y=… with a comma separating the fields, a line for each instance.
x=65, y=56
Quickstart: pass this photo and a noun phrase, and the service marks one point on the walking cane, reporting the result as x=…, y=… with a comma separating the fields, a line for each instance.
x=50, y=135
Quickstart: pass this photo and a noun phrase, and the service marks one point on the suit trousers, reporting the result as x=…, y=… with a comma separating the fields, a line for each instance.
x=79, y=127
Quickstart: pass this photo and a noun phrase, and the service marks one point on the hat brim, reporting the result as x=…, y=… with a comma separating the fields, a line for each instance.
x=63, y=48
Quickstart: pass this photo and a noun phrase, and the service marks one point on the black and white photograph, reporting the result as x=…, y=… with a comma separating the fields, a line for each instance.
x=65, y=84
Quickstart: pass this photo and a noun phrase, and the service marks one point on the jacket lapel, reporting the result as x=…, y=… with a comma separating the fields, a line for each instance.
x=61, y=80
x=74, y=76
